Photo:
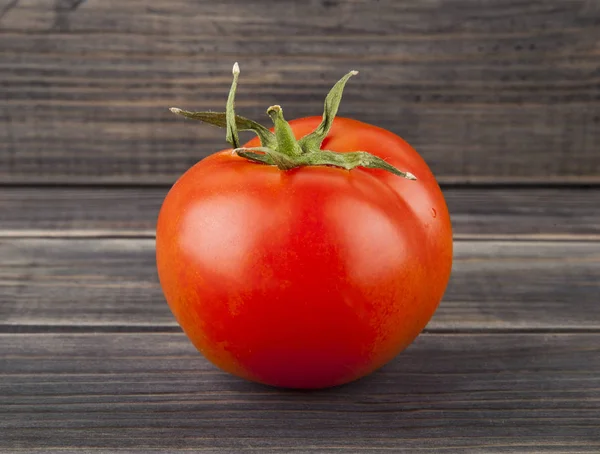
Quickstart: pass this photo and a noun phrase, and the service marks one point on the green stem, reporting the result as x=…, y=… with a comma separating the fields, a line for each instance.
x=314, y=140
x=232, y=133
x=281, y=148
x=267, y=138
x=353, y=160
x=286, y=142
x=258, y=154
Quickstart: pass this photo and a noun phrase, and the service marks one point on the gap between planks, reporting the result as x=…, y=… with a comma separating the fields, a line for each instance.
x=84, y=329
x=150, y=234
x=166, y=181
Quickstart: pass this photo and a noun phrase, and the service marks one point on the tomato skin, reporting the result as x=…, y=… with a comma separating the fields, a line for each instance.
x=311, y=277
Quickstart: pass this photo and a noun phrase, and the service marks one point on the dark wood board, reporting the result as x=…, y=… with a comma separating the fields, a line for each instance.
x=493, y=90
x=457, y=392
x=476, y=212
x=112, y=284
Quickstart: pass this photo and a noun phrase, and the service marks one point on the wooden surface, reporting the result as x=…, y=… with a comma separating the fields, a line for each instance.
x=492, y=90
x=447, y=392
x=501, y=97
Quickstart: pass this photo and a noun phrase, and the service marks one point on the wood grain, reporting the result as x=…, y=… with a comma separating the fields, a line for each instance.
x=493, y=90
x=490, y=212
x=112, y=284
x=464, y=393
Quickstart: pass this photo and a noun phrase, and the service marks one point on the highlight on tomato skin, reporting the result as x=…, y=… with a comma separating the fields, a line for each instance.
x=308, y=257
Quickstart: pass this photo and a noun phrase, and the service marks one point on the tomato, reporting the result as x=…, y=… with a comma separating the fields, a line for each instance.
x=309, y=277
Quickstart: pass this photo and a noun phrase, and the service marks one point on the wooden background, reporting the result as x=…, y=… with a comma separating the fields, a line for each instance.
x=501, y=97
x=486, y=90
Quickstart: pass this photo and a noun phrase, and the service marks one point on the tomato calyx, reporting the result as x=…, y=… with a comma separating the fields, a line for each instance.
x=281, y=147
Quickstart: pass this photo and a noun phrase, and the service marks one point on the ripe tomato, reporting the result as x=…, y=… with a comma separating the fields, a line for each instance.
x=310, y=277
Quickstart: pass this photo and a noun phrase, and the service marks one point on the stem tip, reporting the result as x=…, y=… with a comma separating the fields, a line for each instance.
x=354, y=72
x=175, y=110
x=274, y=109
x=236, y=68
x=410, y=176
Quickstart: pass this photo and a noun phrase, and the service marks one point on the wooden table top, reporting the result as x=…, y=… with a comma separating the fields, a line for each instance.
x=91, y=358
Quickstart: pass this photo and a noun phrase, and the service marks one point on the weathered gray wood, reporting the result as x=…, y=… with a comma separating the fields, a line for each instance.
x=113, y=283
x=484, y=392
x=64, y=211
x=523, y=212
x=489, y=90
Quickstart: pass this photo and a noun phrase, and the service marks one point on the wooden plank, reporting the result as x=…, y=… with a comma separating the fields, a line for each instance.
x=493, y=90
x=481, y=393
x=112, y=211
x=524, y=212
x=112, y=284
x=491, y=212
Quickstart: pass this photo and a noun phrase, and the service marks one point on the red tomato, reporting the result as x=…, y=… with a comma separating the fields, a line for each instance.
x=310, y=277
